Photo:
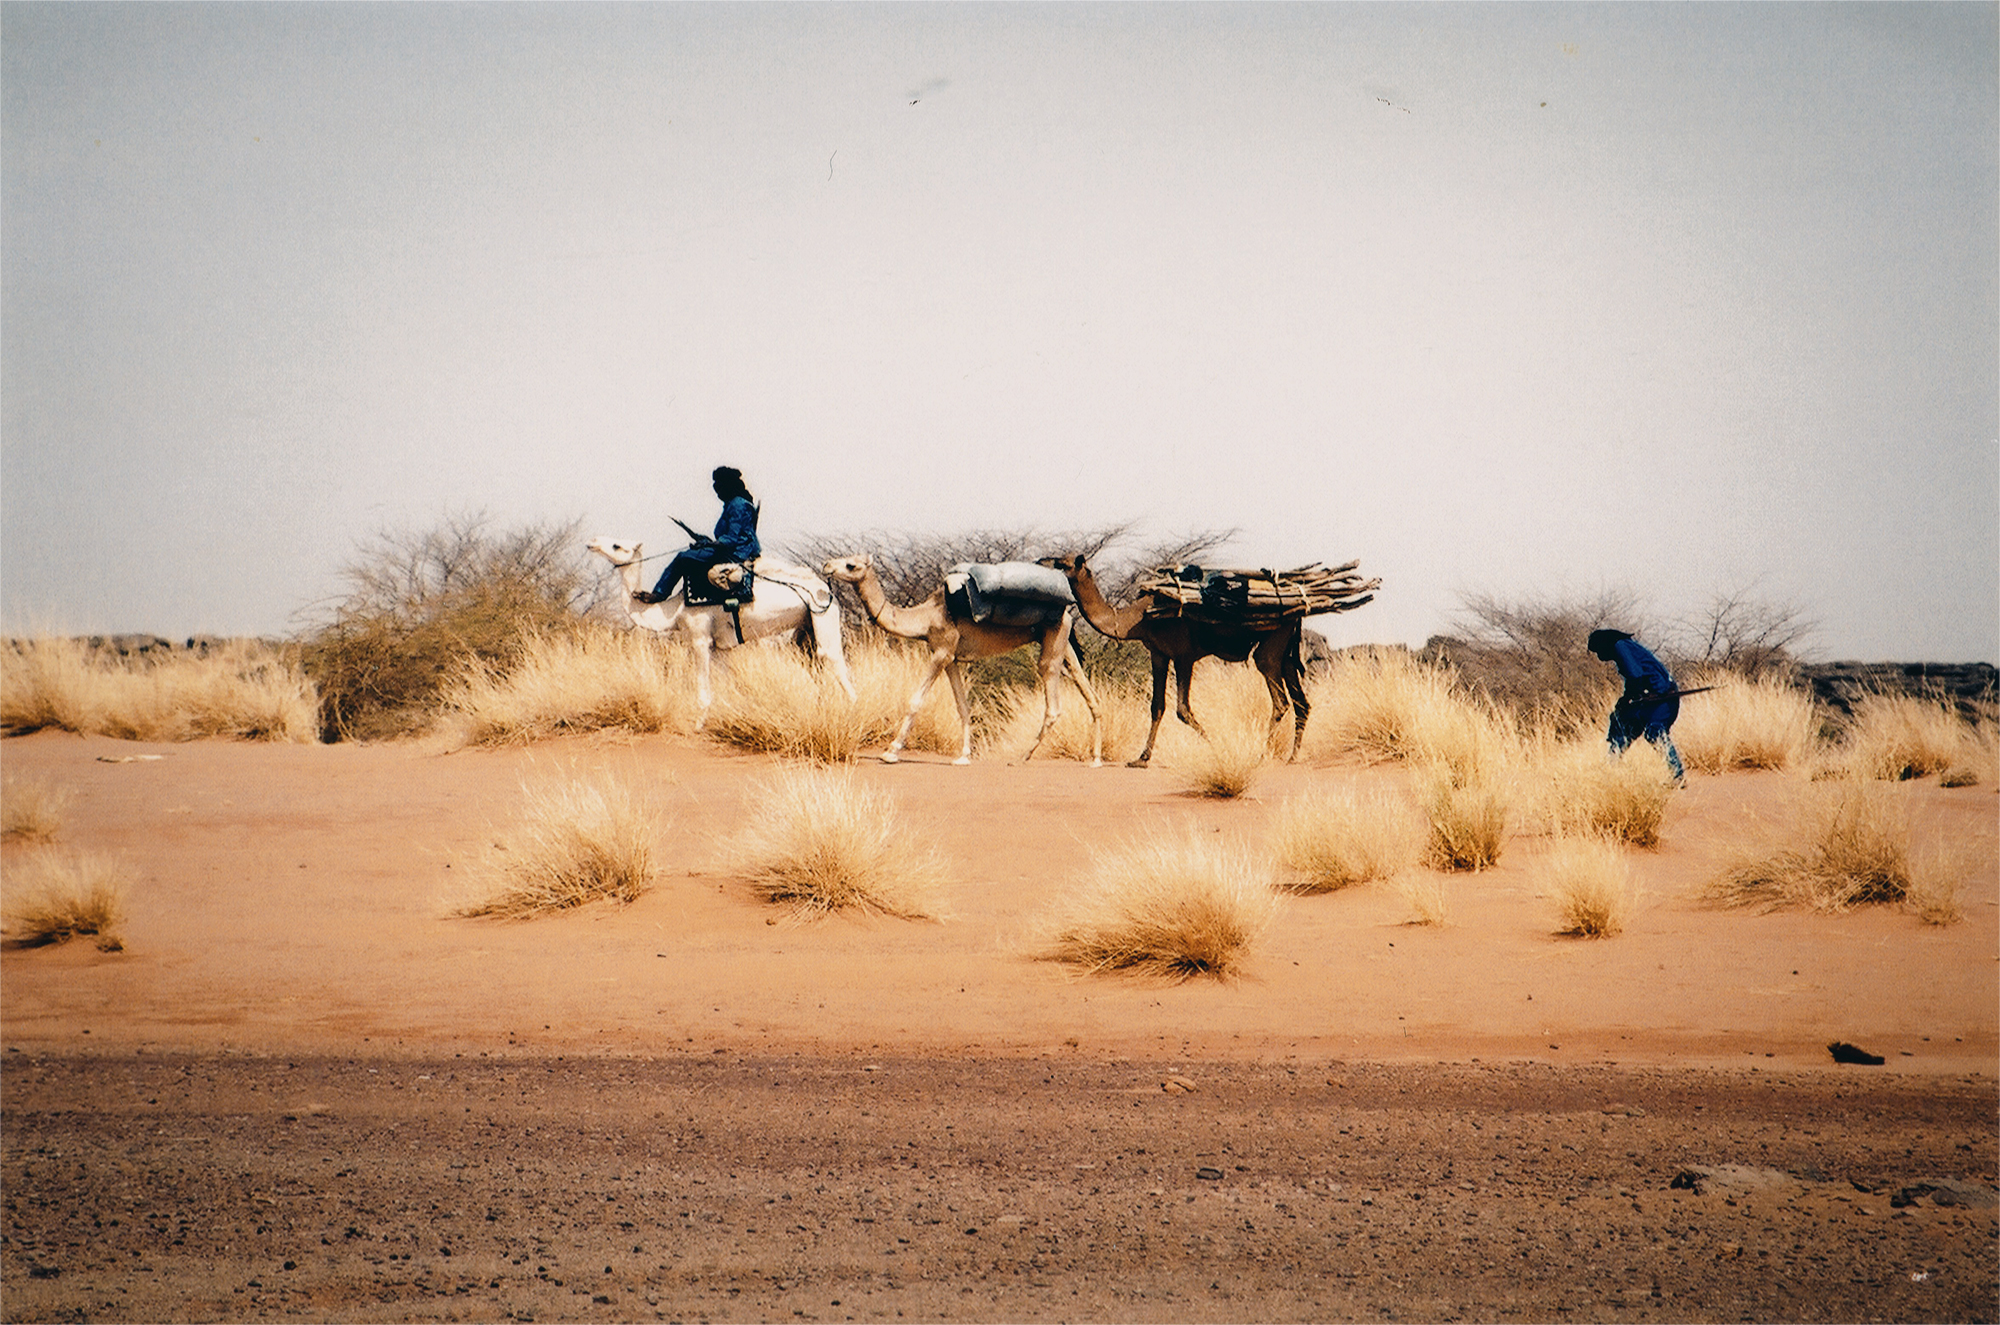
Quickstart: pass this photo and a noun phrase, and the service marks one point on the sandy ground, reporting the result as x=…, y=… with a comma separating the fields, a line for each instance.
x=304, y=1090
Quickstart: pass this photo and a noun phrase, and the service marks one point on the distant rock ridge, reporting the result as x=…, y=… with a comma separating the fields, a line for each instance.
x=1841, y=685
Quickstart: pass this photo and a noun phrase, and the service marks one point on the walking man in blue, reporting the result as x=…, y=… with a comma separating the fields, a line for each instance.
x=735, y=538
x=1650, y=702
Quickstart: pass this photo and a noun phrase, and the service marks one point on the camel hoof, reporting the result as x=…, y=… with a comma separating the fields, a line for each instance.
x=891, y=757
x=961, y=761
x=1097, y=763
x=1139, y=763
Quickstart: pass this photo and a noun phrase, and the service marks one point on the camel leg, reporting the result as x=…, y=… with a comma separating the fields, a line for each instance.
x=1284, y=675
x=1055, y=651
x=1075, y=664
x=827, y=643
x=1183, y=684
x=1159, y=710
x=939, y=661
x=961, y=690
x=703, y=691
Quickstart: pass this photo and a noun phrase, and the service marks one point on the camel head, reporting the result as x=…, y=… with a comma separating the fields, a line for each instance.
x=613, y=551
x=1067, y=565
x=852, y=569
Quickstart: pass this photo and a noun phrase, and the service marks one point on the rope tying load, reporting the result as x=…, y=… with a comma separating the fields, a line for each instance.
x=1254, y=597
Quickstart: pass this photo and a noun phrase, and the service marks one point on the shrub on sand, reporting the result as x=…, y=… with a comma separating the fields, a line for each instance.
x=1896, y=737
x=1590, y=882
x=1468, y=820
x=777, y=701
x=1332, y=838
x=1385, y=705
x=1174, y=902
x=1584, y=791
x=1236, y=739
x=31, y=810
x=591, y=679
x=1939, y=871
x=577, y=842
x=54, y=896
x=1850, y=848
x=1121, y=706
x=1428, y=898
x=244, y=690
x=823, y=840
x=1744, y=722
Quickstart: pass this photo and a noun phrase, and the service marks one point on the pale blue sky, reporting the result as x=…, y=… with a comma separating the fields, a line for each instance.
x=1502, y=298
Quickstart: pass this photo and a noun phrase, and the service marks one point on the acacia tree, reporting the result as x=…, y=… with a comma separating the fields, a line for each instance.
x=420, y=603
x=1750, y=636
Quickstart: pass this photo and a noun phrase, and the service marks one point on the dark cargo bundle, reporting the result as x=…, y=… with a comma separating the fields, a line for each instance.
x=1247, y=596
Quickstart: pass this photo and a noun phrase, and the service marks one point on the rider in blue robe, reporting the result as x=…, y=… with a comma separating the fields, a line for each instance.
x=1649, y=705
x=735, y=538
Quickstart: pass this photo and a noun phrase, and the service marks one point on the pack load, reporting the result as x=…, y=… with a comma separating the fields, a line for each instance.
x=1009, y=593
x=1252, y=597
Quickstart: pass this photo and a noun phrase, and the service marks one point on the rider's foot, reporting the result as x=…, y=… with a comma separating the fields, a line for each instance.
x=648, y=596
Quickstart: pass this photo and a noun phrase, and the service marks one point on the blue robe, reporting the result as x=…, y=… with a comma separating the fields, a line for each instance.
x=1640, y=713
x=735, y=540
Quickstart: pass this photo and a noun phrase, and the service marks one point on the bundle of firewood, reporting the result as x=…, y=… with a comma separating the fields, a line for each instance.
x=1249, y=597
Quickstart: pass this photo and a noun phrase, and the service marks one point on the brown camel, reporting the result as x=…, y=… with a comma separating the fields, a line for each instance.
x=955, y=640
x=1182, y=642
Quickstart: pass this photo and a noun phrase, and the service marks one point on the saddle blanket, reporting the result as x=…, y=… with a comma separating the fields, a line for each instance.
x=1010, y=593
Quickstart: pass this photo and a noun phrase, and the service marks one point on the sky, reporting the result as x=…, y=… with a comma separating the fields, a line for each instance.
x=1531, y=301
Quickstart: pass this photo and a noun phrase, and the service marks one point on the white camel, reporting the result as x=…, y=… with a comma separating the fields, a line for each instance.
x=955, y=639
x=788, y=600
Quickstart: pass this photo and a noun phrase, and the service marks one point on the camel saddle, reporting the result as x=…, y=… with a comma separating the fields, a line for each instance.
x=727, y=584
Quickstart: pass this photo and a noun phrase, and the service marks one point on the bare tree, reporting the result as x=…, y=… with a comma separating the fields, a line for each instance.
x=1748, y=635
x=1530, y=654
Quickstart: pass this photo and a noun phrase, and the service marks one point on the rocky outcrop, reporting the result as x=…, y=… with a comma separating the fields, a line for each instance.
x=1975, y=687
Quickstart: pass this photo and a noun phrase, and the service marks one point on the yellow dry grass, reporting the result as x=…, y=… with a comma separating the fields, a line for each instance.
x=1175, y=902
x=1469, y=819
x=823, y=840
x=587, y=680
x=578, y=840
x=1744, y=723
x=1580, y=789
x=1428, y=896
x=1332, y=838
x=1236, y=741
x=54, y=895
x=1590, y=882
x=773, y=699
x=241, y=690
x=1897, y=737
x=1384, y=705
x=1847, y=845
x=32, y=810
x=1121, y=705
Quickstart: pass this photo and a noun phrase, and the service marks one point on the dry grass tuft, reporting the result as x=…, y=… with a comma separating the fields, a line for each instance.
x=1236, y=740
x=1939, y=872
x=54, y=896
x=1121, y=704
x=1897, y=737
x=822, y=840
x=587, y=680
x=1384, y=705
x=1851, y=847
x=1428, y=896
x=1582, y=790
x=1590, y=882
x=1765, y=722
x=777, y=701
x=1175, y=903
x=1333, y=839
x=31, y=810
x=577, y=842
x=242, y=690
x=1468, y=820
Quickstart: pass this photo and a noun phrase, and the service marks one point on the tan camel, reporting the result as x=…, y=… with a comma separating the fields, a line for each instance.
x=956, y=640
x=1182, y=642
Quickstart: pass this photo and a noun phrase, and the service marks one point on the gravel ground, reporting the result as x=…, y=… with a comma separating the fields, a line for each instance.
x=723, y=1186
